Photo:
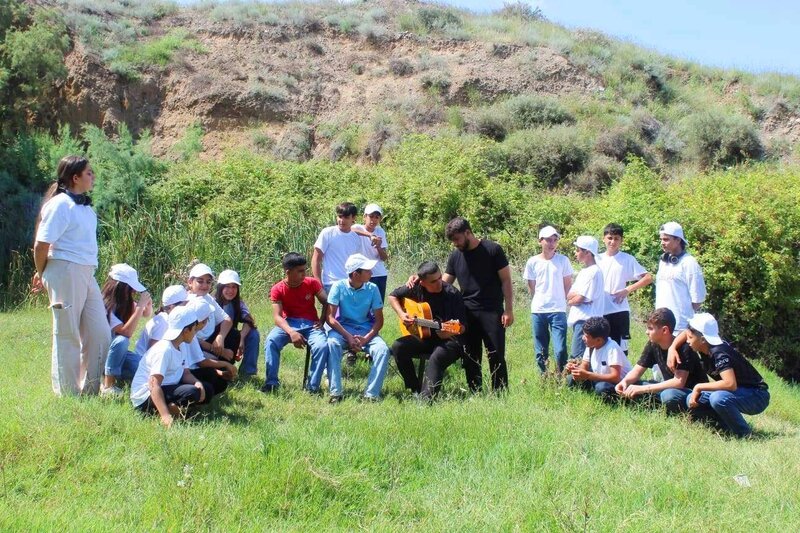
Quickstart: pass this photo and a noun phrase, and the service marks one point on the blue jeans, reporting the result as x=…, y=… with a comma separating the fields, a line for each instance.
x=317, y=341
x=578, y=346
x=542, y=325
x=121, y=363
x=604, y=389
x=376, y=348
x=726, y=408
x=674, y=400
x=250, y=358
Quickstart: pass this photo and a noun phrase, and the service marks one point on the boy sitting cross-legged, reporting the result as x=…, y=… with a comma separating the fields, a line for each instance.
x=671, y=392
x=355, y=298
x=604, y=363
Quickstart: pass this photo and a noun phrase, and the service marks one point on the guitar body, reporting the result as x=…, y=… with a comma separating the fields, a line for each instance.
x=417, y=310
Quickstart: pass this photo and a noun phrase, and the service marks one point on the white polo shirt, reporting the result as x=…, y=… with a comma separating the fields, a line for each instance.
x=70, y=229
x=678, y=286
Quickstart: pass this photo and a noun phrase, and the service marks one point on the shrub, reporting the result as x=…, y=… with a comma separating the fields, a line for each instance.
x=374, y=34
x=619, y=142
x=492, y=122
x=548, y=155
x=599, y=174
x=436, y=82
x=190, y=144
x=529, y=111
x=401, y=67
x=718, y=139
x=520, y=10
x=435, y=19
x=129, y=60
x=296, y=143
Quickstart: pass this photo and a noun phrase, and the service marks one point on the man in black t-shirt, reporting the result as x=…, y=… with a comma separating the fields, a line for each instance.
x=484, y=277
x=443, y=348
x=672, y=392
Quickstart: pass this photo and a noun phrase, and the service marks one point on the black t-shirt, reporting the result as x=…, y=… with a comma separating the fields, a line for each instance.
x=445, y=305
x=724, y=357
x=477, y=274
x=653, y=354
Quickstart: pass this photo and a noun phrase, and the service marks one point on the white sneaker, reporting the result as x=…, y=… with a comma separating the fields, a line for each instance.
x=111, y=392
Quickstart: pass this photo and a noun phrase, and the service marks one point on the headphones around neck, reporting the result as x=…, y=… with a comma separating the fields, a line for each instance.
x=672, y=259
x=79, y=199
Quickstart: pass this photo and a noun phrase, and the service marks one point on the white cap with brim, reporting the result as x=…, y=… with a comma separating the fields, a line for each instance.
x=359, y=261
x=201, y=308
x=174, y=294
x=126, y=274
x=547, y=232
x=201, y=269
x=178, y=319
x=707, y=325
x=229, y=276
x=673, y=229
x=587, y=242
x=373, y=208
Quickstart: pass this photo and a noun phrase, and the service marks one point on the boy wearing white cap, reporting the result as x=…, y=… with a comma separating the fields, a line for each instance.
x=173, y=296
x=334, y=245
x=680, y=286
x=355, y=299
x=123, y=313
x=163, y=383
x=737, y=387
x=549, y=277
x=374, y=245
x=209, y=370
x=587, y=296
x=212, y=336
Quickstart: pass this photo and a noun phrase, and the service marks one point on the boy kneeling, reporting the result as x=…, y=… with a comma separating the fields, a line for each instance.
x=163, y=383
x=671, y=392
x=604, y=363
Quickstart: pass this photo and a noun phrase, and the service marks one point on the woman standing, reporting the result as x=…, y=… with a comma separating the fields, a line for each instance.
x=65, y=255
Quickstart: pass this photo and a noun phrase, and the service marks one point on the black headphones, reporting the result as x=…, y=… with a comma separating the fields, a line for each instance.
x=672, y=259
x=79, y=199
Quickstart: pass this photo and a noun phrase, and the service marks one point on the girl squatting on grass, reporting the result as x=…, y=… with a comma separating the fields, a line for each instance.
x=247, y=340
x=65, y=256
x=124, y=313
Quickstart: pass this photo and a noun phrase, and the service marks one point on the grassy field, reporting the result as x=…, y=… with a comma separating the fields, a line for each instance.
x=538, y=458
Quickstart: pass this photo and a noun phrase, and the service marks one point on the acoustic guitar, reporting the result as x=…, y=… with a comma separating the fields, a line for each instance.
x=424, y=322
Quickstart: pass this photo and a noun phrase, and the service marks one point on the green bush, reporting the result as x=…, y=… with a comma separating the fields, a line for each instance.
x=549, y=155
x=130, y=60
x=296, y=143
x=528, y=111
x=719, y=139
x=435, y=19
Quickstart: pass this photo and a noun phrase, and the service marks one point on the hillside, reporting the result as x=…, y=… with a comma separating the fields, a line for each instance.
x=331, y=80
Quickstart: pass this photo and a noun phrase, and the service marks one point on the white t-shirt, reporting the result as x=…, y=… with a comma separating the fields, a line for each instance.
x=618, y=270
x=602, y=358
x=153, y=330
x=219, y=315
x=114, y=321
x=70, y=229
x=549, y=274
x=192, y=353
x=370, y=252
x=336, y=246
x=678, y=286
x=162, y=359
x=589, y=284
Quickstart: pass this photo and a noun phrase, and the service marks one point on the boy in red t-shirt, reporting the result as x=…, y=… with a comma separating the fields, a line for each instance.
x=296, y=321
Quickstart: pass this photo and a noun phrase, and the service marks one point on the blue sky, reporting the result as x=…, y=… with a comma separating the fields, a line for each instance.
x=751, y=35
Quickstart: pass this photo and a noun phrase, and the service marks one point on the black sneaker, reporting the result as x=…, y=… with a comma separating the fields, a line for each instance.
x=335, y=399
x=269, y=389
x=350, y=359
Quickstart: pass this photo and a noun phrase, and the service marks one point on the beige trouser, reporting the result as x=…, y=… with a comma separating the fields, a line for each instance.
x=81, y=334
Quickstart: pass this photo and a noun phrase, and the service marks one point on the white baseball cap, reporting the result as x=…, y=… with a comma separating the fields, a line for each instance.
x=126, y=274
x=229, y=276
x=373, y=208
x=707, y=326
x=201, y=308
x=674, y=229
x=201, y=269
x=587, y=242
x=179, y=318
x=174, y=294
x=358, y=261
x=547, y=232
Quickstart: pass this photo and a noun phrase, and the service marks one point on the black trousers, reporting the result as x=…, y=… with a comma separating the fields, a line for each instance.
x=209, y=375
x=440, y=353
x=485, y=329
x=181, y=394
x=620, y=328
x=231, y=340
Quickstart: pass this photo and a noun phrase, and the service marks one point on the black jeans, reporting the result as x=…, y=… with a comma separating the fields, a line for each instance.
x=484, y=329
x=620, y=328
x=181, y=394
x=209, y=375
x=441, y=354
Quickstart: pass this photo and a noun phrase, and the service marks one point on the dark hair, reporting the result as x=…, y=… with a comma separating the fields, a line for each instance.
x=457, y=225
x=68, y=167
x=426, y=268
x=613, y=229
x=661, y=317
x=346, y=209
x=118, y=299
x=597, y=327
x=292, y=260
x=695, y=332
x=193, y=324
x=236, y=303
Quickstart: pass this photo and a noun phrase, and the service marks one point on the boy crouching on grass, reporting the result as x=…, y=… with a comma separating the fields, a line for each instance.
x=671, y=392
x=604, y=363
x=163, y=383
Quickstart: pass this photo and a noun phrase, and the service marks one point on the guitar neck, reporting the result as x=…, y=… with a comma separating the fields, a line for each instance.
x=432, y=324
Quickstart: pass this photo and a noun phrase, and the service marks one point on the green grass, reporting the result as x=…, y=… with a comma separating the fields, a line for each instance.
x=538, y=458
